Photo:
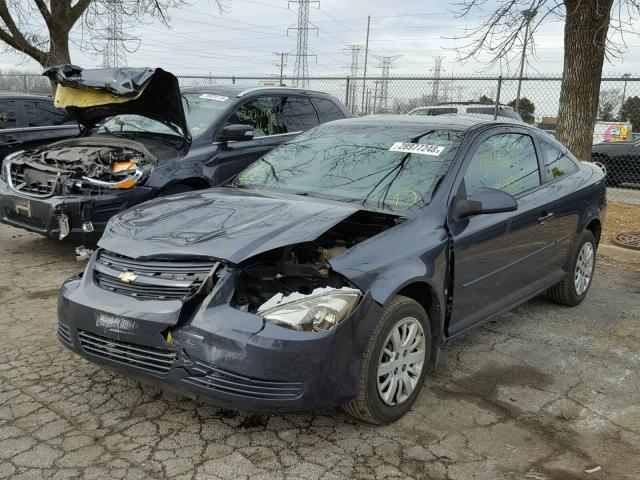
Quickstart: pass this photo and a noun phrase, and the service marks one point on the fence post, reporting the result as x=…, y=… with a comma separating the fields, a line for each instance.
x=24, y=84
x=347, y=96
x=233, y=80
x=495, y=112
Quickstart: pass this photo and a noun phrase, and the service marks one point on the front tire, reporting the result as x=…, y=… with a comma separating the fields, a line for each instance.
x=395, y=363
x=573, y=289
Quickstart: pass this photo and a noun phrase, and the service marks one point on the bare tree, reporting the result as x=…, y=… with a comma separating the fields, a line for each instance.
x=41, y=29
x=588, y=27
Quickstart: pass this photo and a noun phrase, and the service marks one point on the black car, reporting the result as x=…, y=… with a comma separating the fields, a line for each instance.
x=143, y=138
x=28, y=121
x=331, y=271
x=621, y=161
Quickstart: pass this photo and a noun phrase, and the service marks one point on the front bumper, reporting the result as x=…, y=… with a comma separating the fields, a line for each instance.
x=40, y=215
x=227, y=357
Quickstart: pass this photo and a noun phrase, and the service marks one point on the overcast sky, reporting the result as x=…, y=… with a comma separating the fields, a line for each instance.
x=201, y=40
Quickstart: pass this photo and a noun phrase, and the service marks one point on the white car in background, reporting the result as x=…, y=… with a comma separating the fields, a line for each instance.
x=466, y=108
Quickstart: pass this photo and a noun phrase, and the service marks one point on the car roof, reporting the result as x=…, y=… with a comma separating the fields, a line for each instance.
x=451, y=122
x=463, y=104
x=240, y=91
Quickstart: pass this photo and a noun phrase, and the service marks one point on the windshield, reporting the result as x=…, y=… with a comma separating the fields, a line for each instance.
x=389, y=167
x=202, y=109
x=128, y=123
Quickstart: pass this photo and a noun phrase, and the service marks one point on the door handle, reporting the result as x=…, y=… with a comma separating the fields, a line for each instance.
x=542, y=220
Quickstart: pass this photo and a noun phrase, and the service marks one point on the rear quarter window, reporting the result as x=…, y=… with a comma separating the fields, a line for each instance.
x=556, y=162
x=327, y=110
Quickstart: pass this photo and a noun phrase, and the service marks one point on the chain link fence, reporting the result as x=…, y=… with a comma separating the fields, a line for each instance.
x=616, y=134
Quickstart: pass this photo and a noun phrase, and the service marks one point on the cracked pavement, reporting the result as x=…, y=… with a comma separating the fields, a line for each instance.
x=544, y=392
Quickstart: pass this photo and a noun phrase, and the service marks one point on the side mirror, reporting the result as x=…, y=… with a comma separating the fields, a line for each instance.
x=485, y=201
x=237, y=133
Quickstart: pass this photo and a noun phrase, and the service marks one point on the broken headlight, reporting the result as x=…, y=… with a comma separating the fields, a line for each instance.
x=322, y=310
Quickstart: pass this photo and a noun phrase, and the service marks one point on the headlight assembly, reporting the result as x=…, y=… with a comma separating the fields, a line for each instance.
x=322, y=310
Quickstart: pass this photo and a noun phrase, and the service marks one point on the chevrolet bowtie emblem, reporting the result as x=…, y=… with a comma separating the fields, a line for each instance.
x=128, y=277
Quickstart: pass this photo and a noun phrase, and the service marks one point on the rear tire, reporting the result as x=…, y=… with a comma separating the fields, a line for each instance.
x=573, y=289
x=395, y=363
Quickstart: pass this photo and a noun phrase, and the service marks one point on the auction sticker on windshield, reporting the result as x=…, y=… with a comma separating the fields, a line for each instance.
x=217, y=98
x=433, y=150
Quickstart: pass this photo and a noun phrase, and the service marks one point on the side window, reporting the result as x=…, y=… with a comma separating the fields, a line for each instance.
x=8, y=114
x=556, y=162
x=505, y=162
x=296, y=114
x=327, y=110
x=259, y=113
x=43, y=114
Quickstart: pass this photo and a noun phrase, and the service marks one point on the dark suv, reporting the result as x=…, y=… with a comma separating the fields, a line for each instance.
x=143, y=138
x=28, y=121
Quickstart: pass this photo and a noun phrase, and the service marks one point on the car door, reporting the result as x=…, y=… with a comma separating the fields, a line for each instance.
x=558, y=171
x=9, y=128
x=262, y=114
x=500, y=259
x=45, y=123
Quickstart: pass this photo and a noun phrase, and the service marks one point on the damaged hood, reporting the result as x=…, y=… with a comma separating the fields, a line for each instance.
x=226, y=224
x=90, y=96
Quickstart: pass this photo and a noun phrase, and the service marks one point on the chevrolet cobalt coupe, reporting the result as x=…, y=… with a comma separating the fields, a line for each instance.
x=142, y=137
x=331, y=271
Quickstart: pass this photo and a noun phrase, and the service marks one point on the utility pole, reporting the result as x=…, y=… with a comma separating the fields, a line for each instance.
x=366, y=58
x=626, y=77
x=354, y=71
x=529, y=16
x=301, y=68
x=282, y=64
x=435, y=94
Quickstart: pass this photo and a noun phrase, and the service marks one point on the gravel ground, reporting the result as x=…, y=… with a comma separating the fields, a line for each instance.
x=544, y=392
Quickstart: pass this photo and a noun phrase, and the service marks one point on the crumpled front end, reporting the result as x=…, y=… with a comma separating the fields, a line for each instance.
x=72, y=187
x=178, y=323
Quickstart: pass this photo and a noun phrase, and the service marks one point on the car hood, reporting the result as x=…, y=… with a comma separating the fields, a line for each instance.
x=225, y=224
x=90, y=96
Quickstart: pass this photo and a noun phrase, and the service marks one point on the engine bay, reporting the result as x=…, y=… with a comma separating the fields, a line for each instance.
x=79, y=166
x=305, y=267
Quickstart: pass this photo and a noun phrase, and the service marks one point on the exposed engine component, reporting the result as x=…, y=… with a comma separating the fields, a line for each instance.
x=67, y=168
x=304, y=268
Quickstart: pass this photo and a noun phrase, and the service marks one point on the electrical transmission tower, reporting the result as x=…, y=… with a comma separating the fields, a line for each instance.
x=301, y=69
x=382, y=99
x=111, y=33
x=437, y=70
x=354, y=71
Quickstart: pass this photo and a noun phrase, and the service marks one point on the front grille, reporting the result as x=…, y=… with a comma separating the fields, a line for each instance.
x=32, y=182
x=146, y=358
x=217, y=380
x=23, y=219
x=158, y=279
x=63, y=333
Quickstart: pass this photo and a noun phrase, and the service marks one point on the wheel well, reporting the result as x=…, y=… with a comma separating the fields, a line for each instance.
x=596, y=228
x=426, y=296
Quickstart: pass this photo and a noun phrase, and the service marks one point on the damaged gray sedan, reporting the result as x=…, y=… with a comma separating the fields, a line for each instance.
x=331, y=271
